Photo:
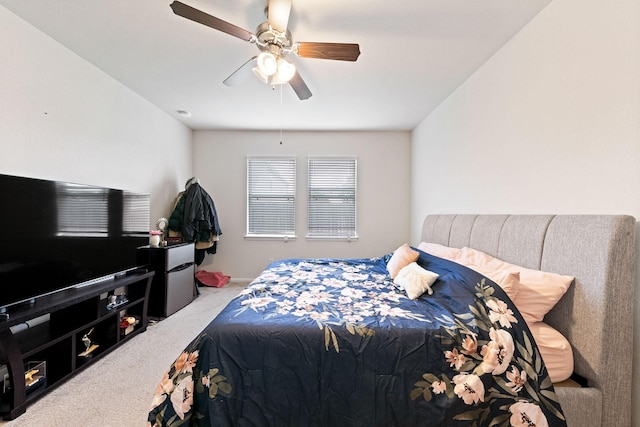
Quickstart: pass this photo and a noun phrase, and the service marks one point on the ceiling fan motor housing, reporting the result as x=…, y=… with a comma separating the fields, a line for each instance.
x=271, y=40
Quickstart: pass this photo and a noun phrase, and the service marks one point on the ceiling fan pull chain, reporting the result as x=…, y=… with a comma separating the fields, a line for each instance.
x=281, y=114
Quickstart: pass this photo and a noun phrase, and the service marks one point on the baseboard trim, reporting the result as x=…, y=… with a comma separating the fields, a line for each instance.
x=243, y=280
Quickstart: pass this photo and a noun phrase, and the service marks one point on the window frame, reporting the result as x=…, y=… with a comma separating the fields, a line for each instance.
x=352, y=233
x=291, y=195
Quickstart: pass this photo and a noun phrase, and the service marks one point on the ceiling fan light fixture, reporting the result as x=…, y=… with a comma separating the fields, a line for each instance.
x=267, y=63
x=260, y=75
x=286, y=70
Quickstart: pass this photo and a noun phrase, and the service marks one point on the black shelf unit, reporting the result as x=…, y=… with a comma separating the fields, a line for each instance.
x=72, y=313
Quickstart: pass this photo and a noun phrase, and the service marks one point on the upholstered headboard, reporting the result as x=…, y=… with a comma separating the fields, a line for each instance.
x=596, y=314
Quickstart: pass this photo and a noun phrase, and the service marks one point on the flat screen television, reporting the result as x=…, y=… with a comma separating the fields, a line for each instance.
x=55, y=235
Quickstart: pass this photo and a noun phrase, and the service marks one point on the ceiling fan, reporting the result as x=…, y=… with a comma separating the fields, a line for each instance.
x=275, y=44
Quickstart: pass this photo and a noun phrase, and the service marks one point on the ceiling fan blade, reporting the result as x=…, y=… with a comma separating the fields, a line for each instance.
x=278, y=14
x=339, y=51
x=300, y=87
x=201, y=17
x=241, y=74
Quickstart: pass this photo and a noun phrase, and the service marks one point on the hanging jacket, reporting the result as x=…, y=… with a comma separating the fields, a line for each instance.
x=195, y=217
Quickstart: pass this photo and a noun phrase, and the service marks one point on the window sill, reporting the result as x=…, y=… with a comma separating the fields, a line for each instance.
x=269, y=237
x=347, y=239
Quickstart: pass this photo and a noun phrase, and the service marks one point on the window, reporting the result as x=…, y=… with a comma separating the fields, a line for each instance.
x=332, y=197
x=271, y=190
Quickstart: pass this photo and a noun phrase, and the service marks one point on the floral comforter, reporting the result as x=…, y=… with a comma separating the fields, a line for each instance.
x=333, y=342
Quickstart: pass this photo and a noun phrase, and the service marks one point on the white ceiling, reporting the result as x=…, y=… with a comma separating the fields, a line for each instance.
x=414, y=54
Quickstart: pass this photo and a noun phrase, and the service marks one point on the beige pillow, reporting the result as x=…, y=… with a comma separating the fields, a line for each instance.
x=439, y=250
x=402, y=257
x=415, y=280
x=507, y=280
x=554, y=349
x=537, y=291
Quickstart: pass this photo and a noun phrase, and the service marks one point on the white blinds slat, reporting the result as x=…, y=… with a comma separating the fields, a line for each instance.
x=271, y=187
x=332, y=197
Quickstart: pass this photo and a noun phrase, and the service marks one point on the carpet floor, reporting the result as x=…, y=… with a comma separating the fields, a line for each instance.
x=116, y=391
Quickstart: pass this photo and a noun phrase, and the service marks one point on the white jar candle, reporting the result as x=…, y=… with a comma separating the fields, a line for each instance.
x=154, y=238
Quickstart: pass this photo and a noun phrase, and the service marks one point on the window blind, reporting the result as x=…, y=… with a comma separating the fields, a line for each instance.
x=332, y=197
x=271, y=189
x=82, y=211
x=136, y=208
x=97, y=211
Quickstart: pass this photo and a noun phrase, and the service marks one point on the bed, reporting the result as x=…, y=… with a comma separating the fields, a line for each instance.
x=419, y=340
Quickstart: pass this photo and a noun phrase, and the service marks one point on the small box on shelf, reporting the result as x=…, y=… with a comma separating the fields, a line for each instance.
x=89, y=345
x=173, y=240
x=35, y=375
x=128, y=324
x=115, y=301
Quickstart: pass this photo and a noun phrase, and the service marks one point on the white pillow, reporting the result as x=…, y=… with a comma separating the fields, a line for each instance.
x=415, y=280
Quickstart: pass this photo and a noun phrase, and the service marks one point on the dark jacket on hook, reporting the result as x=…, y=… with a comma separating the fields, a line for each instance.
x=196, y=218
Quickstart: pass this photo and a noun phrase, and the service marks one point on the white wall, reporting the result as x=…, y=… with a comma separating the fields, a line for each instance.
x=383, y=217
x=61, y=118
x=550, y=124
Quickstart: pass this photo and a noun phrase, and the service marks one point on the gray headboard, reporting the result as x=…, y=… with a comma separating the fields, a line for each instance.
x=596, y=314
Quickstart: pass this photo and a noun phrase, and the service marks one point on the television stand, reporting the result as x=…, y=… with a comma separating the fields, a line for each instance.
x=82, y=325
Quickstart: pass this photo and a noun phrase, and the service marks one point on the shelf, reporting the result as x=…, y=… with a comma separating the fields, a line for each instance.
x=58, y=341
x=56, y=357
x=66, y=298
x=36, y=338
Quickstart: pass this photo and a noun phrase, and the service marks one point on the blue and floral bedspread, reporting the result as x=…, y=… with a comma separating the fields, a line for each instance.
x=333, y=342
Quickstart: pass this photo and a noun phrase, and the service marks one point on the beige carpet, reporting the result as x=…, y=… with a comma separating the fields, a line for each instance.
x=117, y=390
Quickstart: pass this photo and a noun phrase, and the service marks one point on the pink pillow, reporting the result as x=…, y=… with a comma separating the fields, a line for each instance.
x=402, y=257
x=538, y=291
x=507, y=280
x=438, y=250
x=555, y=351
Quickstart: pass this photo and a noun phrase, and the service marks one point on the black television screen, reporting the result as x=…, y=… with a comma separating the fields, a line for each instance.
x=59, y=234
